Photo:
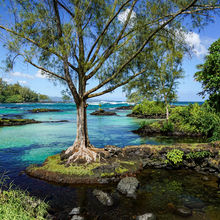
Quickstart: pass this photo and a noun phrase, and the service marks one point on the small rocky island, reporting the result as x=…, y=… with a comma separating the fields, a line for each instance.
x=39, y=110
x=13, y=122
x=102, y=112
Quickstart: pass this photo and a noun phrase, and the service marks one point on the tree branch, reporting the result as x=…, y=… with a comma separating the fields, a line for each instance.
x=37, y=44
x=117, y=85
x=65, y=60
x=42, y=68
x=102, y=34
x=111, y=48
x=66, y=9
x=141, y=48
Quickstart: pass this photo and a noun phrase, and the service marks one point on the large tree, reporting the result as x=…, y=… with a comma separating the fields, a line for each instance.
x=87, y=39
x=209, y=75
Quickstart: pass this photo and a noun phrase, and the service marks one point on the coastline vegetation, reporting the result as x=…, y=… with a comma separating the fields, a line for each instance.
x=18, y=94
x=18, y=204
x=192, y=119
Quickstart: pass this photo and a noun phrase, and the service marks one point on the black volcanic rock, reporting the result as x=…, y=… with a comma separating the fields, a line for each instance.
x=103, y=113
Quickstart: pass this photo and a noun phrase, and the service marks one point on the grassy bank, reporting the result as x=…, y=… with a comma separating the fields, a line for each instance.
x=16, y=204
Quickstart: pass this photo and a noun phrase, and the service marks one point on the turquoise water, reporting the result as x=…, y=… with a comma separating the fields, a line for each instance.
x=41, y=140
x=159, y=189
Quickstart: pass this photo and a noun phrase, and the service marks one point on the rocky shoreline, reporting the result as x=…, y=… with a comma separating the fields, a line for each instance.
x=148, y=130
x=145, y=116
x=129, y=161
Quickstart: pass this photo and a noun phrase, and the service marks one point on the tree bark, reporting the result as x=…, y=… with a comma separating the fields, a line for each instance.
x=81, y=150
x=82, y=138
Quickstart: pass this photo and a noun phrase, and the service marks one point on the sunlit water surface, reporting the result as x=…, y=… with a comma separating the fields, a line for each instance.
x=21, y=146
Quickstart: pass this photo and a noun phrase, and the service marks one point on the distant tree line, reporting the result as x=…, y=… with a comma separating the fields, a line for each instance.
x=16, y=94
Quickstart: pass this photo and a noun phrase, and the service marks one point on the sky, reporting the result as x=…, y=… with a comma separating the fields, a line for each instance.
x=188, y=88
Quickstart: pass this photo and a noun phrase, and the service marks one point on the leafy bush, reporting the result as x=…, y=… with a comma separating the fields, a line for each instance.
x=167, y=126
x=197, y=119
x=199, y=154
x=175, y=156
x=149, y=108
x=14, y=99
x=147, y=122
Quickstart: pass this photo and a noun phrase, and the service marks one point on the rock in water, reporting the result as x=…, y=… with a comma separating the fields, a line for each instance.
x=128, y=186
x=75, y=211
x=77, y=217
x=147, y=216
x=184, y=212
x=103, y=197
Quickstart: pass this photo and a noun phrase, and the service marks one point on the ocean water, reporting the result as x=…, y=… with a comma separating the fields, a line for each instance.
x=37, y=141
x=159, y=190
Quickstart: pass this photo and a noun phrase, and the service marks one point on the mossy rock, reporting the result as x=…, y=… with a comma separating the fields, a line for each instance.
x=55, y=170
x=13, y=122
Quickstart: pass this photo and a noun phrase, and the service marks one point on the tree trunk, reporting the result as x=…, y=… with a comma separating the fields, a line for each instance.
x=82, y=138
x=81, y=150
x=167, y=112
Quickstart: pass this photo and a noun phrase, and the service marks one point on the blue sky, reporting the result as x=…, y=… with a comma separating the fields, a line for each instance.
x=187, y=89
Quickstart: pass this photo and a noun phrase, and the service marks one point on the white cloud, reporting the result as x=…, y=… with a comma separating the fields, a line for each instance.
x=22, y=82
x=39, y=74
x=7, y=80
x=123, y=16
x=194, y=41
x=23, y=75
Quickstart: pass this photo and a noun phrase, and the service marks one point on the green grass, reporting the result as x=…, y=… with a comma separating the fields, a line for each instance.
x=54, y=164
x=16, y=204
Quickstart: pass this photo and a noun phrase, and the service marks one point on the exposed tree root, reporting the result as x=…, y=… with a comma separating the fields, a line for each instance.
x=81, y=154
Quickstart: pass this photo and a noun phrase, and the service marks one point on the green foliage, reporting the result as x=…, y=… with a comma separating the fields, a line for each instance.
x=197, y=155
x=17, y=204
x=175, y=156
x=43, y=97
x=14, y=99
x=209, y=75
x=16, y=93
x=197, y=119
x=156, y=125
x=164, y=64
x=167, y=126
x=149, y=108
x=150, y=122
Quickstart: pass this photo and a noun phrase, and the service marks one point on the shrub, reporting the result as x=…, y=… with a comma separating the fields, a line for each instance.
x=149, y=108
x=197, y=155
x=197, y=119
x=167, y=126
x=175, y=156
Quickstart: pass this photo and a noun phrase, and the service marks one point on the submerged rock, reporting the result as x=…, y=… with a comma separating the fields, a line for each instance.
x=75, y=211
x=103, y=113
x=147, y=216
x=103, y=197
x=77, y=217
x=194, y=204
x=39, y=110
x=128, y=186
x=183, y=211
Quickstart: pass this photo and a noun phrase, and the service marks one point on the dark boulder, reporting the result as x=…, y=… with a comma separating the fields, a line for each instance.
x=103, y=113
